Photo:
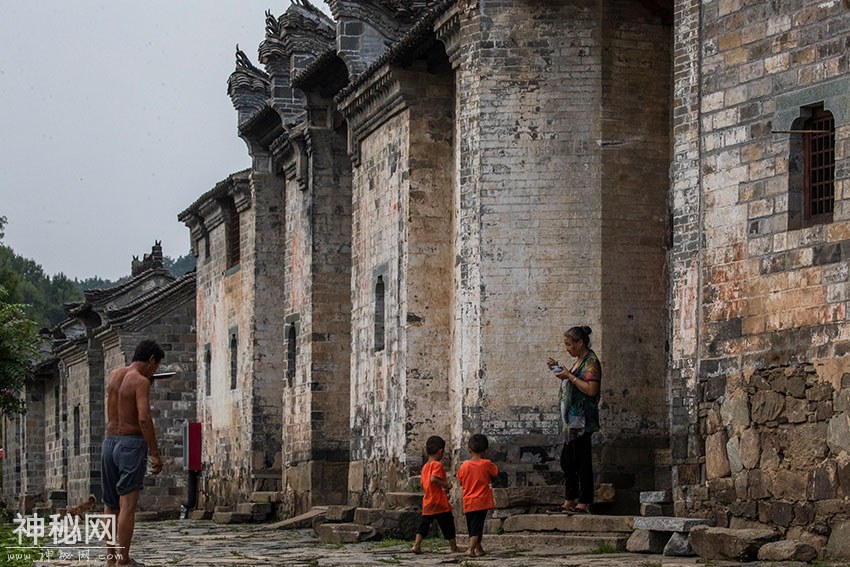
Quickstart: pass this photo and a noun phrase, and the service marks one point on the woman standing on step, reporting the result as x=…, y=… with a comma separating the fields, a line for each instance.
x=579, y=402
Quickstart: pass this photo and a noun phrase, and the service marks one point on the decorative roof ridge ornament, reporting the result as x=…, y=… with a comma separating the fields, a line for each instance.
x=248, y=87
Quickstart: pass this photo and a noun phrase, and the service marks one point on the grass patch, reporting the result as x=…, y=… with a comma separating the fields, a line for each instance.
x=604, y=548
x=13, y=557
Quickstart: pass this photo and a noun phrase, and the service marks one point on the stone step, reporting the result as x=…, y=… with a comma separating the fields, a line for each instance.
x=582, y=523
x=254, y=508
x=519, y=496
x=261, y=497
x=231, y=518
x=399, y=500
x=200, y=515
x=574, y=543
x=656, y=497
x=668, y=523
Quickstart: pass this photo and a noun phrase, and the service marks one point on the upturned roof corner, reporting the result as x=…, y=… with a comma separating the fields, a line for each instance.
x=248, y=87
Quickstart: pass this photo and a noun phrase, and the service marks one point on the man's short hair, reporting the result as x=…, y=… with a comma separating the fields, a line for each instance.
x=434, y=444
x=148, y=349
x=478, y=443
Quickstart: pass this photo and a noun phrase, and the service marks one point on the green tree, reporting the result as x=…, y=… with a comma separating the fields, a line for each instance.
x=19, y=344
x=179, y=266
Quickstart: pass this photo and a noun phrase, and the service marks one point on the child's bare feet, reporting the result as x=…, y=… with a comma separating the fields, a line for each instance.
x=416, y=550
x=480, y=553
x=457, y=550
x=470, y=553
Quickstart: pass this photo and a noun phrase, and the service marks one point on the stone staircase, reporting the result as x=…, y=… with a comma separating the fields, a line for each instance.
x=519, y=522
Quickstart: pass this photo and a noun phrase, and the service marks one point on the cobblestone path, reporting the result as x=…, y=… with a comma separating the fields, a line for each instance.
x=205, y=544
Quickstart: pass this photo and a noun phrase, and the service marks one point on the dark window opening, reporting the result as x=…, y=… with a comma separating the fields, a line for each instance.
x=819, y=167
x=379, y=314
x=77, y=430
x=208, y=368
x=290, y=354
x=56, y=414
x=231, y=228
x=233, y=360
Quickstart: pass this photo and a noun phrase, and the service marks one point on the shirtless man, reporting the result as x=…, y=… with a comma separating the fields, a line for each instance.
x=129, y=437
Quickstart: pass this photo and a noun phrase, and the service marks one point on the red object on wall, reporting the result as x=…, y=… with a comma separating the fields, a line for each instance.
x=192, y=446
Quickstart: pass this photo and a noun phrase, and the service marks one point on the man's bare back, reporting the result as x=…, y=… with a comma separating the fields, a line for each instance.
x=122, y=393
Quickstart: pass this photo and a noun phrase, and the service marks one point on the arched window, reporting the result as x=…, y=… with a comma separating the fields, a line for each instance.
x=290, y=354
x=379, y=314
x=819, y=167
x=811, y=168
x=234, y=350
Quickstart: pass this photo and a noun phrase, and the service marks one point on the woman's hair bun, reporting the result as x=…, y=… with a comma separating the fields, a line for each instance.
x=586, y=329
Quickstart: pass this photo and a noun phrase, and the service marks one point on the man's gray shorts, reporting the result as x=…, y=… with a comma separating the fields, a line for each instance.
x=123, y=463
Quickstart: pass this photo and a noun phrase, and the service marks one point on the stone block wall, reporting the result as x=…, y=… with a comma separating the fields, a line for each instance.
x=777, y=451
x=751, y=287
x=55, y=433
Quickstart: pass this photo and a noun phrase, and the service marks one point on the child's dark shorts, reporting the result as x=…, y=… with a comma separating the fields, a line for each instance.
x=123, y=462
x=446, y=521
x=475, y=522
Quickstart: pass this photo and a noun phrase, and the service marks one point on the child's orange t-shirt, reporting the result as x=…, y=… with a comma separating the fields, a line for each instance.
x=435, y=501
x=475, y=477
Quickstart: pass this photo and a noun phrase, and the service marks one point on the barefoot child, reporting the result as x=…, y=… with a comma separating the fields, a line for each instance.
x=435, y=503
x=475, y=475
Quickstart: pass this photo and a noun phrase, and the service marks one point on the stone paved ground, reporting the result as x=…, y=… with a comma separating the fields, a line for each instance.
x=202, y=544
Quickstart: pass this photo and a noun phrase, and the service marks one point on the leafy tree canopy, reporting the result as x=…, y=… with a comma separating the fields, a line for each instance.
x=18, y=351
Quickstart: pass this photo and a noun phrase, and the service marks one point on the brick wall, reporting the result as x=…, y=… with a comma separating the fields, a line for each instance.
x=223, y=305
x=549, y=154
x=751, y=291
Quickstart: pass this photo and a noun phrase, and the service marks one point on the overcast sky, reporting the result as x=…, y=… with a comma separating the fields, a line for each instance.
x=114, y=117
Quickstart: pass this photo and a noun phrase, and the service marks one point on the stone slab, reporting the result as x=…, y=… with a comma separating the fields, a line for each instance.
x=254, y=508
x=725, y=543
x=200, y=515
x=345, y=533
x=519, y=496
x=302, y=521
x=678, y=546
x=656, y=497
x=668, y=523
x=231, y=518
x=343, y=514
x=838, y=546
x=397, y=500
x=787, y=550
x=261, y=497
x=589, y=523
x=646, y=541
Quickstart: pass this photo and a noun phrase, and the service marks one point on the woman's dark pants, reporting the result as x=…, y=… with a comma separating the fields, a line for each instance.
x=577, y=464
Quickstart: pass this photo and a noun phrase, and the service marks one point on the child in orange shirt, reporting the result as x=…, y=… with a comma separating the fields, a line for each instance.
x=435, y=503
x=475, y=475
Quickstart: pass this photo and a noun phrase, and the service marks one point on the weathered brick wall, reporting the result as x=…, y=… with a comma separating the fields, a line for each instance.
x=634, y=183
x=538, y=158
x=13, y=457
x=85, y=397
x=318, y=302
x=172, y=400
x=224, y=303
x=33, y=467
x=268, y=341
x=749, y=290
x=55, y=434
x=377, y=401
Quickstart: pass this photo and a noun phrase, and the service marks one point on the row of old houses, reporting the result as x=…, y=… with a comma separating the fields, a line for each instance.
x=439, y=188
